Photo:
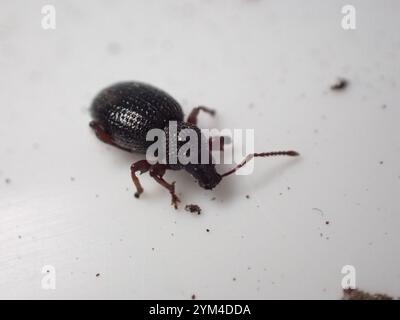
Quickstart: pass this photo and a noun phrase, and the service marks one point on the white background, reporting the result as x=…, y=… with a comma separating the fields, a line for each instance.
x=264, y=65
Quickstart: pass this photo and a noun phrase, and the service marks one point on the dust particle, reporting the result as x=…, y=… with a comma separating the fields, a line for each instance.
x=208, y=230
x=341, y=84
x=247, y=197
x=193, y=208
x=97, y=275
x=7, y=180
x=193, y=297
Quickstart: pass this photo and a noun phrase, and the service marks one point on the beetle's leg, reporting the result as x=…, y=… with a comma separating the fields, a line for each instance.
x=103, y=135
x=263, y=154
x=157, y=172
x=193, y=115
x=142, y=166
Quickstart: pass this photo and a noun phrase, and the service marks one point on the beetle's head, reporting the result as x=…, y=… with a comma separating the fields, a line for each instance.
x=205, y=174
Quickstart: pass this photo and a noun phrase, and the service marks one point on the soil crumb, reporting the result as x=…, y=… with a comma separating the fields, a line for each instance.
x=341, y=84
x=193, y=208
x=356, y=294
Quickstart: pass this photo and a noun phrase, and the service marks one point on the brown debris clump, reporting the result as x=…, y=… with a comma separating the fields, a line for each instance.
x=356, y=294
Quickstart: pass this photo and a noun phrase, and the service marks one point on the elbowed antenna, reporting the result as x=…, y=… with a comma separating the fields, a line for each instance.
x=290, y=153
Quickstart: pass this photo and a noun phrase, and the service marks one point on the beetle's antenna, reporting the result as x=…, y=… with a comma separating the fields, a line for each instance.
x=263, y=154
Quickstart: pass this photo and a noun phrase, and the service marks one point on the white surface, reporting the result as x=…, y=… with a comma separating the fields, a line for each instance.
x=280, y=56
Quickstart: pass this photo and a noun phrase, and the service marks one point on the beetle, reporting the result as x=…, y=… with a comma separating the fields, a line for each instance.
x=122, y=115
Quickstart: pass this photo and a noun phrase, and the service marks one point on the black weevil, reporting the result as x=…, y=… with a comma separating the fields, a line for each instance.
x=124, y=113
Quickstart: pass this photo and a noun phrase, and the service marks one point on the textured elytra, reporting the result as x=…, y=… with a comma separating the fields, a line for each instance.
x=128, y=110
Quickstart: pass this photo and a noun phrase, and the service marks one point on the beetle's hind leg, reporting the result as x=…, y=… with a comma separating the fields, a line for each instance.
x=195, y=112
x=157, y=172
x=142, y=166
x=103, y=135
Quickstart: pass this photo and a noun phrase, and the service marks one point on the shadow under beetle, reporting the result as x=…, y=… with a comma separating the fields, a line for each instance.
x=123, y=114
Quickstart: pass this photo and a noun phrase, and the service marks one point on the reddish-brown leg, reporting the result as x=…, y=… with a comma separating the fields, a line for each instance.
x=263, y=154
x=157, y=172
x=193, y=115
x=142, y=166
x=104, y=136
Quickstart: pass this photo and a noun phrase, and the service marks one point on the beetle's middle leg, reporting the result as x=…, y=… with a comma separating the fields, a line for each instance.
x=195, y=112
x=157, y=172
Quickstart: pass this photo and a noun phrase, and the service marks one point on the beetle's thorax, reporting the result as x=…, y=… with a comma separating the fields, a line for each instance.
x=188, y=148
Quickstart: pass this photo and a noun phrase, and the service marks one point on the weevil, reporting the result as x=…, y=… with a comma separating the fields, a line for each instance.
x=124, y=113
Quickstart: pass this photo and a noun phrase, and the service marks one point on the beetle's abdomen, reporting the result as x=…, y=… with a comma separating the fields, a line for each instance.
x=128, y=110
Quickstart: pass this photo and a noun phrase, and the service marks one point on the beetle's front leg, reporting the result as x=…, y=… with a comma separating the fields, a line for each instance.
x=157, y=172
x=142, y=166
x=104, y=136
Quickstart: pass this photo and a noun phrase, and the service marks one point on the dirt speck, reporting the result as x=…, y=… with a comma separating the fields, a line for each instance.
x=72, y=179
x=247, y=196
x=327, y=222
x=340, y=84
x=356, y=294
x=97, y=275
x=193, y=296
x=208, y=230
x=213, y=198
x=7, y=180
x=193, y=208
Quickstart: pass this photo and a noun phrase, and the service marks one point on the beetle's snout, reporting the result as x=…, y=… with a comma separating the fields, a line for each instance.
x=209, y=183
x=205, y=174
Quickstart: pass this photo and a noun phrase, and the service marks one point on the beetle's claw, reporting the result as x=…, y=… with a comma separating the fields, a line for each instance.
x=175, y=200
